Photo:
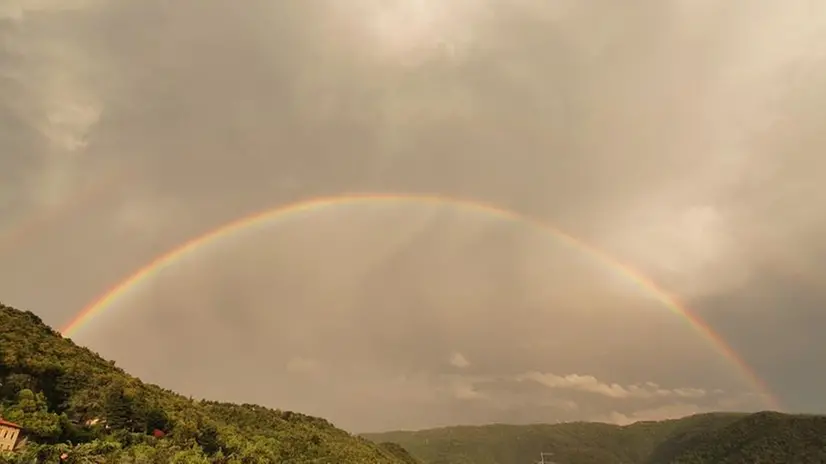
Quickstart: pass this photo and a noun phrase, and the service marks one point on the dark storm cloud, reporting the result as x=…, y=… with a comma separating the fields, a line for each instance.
x=684, y=137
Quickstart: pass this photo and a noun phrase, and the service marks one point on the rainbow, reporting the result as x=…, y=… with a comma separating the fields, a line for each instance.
x=108, y=299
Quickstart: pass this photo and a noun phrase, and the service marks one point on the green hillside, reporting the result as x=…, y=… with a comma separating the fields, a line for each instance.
x=719, y=438
x=70, y=400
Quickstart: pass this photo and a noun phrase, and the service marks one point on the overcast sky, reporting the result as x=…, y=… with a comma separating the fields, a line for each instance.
x=683, y=137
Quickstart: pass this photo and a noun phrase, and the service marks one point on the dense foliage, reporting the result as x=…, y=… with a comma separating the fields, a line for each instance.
x=719, y=438
x=71, y=401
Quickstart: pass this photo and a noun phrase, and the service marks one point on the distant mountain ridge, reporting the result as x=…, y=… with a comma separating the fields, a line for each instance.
x=71, y=402
x=715, y=438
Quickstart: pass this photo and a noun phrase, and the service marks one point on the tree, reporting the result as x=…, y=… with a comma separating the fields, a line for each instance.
x=157, y=419
x=31, y=412
x=207, y=438
x=123, y=410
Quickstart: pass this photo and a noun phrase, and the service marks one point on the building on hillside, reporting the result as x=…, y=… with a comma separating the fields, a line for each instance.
x=8, y=435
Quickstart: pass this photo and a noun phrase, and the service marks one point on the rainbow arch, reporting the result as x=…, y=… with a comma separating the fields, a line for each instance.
x=106, y=300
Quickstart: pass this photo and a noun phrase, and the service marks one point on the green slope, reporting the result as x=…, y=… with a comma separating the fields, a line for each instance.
x=765, y=437
x=718, y=438
x=53, y=388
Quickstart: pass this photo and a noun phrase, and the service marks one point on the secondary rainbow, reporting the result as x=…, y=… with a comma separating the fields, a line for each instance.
x=13, y=237
x=171, y=257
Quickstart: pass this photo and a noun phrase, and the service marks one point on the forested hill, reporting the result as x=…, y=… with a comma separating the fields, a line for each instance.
x=719, y=438
x=70, y=400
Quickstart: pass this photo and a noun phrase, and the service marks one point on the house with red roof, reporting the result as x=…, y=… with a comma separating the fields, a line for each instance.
x=9, y=432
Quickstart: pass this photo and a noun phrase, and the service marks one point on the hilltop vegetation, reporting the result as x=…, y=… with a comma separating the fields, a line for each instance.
x=718, y=438
x=70, y=400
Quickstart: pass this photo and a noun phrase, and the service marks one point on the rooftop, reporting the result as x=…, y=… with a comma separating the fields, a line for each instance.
x=9, y=424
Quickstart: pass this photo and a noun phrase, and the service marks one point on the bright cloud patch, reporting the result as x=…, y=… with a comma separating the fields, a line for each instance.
x=589, y=383
x=458, y=360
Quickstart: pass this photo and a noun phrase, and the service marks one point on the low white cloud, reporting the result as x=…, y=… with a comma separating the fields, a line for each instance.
x=590, y=384
x=466, y=391
x=459, y=360
x=669, y=411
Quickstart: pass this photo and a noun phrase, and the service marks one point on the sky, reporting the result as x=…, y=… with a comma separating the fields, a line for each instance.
x=683, y=138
